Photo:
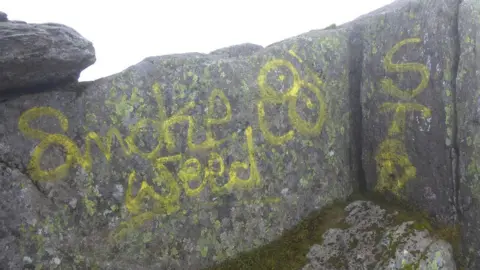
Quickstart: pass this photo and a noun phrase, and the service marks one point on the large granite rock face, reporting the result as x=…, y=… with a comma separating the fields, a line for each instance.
x=178, y=161
x=468, y=111
x=407, y=102
x=374, y=240
x=40, y=54
x=184, y=160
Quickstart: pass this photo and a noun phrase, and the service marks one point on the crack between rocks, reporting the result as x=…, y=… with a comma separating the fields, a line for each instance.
x=34, y=183
x=355, y=50
x=66, y=85
x=455, y=144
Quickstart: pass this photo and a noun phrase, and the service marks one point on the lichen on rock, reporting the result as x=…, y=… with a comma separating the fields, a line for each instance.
x=373, y=240
x=190, y=160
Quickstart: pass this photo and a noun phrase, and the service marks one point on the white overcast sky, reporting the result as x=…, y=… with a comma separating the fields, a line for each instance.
x=125, y=32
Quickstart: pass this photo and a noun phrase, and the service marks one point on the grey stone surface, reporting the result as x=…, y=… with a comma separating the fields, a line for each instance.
x=183, y=160
x=21, y=206
x=407, y=102
x=41, y=54
x=3, y=17
x=468, y=111
x=374, y=241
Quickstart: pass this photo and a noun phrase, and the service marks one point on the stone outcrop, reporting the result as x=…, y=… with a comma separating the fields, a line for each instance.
x=184, y=160
x=40, y=54
x=374, y=240
x=180, y=161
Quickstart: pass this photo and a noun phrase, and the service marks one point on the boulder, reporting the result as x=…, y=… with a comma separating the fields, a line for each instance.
x=374, y=241
x=34, y=55
x=3, y=17
x=468, y=115
x=180, y=161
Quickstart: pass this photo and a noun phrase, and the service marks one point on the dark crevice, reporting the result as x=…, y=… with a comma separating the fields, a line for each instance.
x=35, y=183
x=66, y=85
x=355, y=51
x=41, y=190
x=456, y=151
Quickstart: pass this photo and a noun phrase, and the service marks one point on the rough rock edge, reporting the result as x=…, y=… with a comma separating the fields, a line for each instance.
x=64, y=86
x=3, y=17
x=34, y=183
x=239, y=50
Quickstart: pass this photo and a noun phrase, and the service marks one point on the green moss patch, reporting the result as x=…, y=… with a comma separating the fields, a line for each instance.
x=289, y=250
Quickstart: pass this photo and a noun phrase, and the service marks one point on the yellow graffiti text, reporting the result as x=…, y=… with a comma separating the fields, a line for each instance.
x=389, y=86
x=398, y=124
x=210, y=142
x=191, y=170
x=271, y=96
x=394, y=167
x=104, y=144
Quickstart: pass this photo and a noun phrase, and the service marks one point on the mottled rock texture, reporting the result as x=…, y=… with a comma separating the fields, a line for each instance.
x=40, y=54
x=373, y=240
x=179, y=161
x=407, y=105
x=468, y=111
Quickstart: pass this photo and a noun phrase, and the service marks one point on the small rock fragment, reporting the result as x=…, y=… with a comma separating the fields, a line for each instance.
x=3, y=17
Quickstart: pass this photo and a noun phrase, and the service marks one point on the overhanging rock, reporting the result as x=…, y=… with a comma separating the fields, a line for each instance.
x=183, y=160
x=46, y=54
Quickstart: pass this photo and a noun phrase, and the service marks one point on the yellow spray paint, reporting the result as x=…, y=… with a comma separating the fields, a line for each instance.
x=389, y=86
x=400, y=109
x=394, y=167
x=163, y=204
x=73, y=153
x=210, y=142
x=271, y=96
x=190, y=168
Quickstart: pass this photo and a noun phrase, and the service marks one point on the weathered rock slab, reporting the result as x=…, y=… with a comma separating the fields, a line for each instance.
x=184, y=160
x=41, y=54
